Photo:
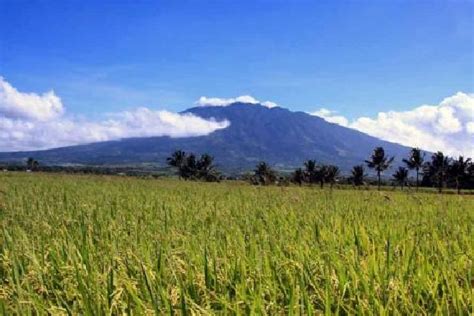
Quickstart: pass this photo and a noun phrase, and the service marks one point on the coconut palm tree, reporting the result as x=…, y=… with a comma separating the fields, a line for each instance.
x=32, y=164
x=401, y=176
x=331, y=174
x=189, y=168
x=205, y=168
x=264, y=174
x=178, y=160
x=470, y=176
x=204, y=164
x=458, y=170
x=380, y=162
x=437, y=169
x=298, y=176
x=320, y=175
x=415, y=161
x=310, y=171
x=357, y=175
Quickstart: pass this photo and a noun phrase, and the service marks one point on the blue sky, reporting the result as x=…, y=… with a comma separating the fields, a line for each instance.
x=125, y=68
x=357, y=58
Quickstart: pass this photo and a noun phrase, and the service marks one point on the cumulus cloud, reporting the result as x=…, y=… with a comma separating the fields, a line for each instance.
x=30, y=121
x=448, y=126
x=205, y=101
x=15, y=104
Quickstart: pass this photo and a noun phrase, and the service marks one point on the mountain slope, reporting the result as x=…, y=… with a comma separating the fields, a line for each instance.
x=277, y=135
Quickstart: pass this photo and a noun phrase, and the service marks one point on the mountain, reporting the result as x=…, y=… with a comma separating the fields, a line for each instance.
x=276, y=135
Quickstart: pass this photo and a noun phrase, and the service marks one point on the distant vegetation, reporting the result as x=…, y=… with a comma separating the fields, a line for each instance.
x=439, y=171
x=191, y=168
x=32, y=164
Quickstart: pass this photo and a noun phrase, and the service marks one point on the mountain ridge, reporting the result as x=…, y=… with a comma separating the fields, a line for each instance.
x=277, y=135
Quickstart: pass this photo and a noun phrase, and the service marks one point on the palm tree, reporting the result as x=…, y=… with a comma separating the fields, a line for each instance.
x=32, y=164
x=437, y=169
x=379, y=162
x=415, y=161
x=401, y=176
x=470, y=175
x=189, y=168
x=310, y=170
x=178, y=160
x=298, y=176
x=205, y=169
x=204, y=164
x=264, y=174
x=358, y=174
x=459, y=171
x=321, y=174
x=331, y=174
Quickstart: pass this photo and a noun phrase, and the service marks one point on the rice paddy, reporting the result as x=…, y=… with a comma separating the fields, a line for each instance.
x=96, y=245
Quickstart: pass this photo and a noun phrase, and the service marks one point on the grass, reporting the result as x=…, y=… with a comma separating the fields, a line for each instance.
x=109, y=245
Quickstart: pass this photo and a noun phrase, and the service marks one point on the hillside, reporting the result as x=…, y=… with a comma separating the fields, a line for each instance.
x=277, y=135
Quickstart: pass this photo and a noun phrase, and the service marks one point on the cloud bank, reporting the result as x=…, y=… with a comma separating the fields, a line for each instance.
x=205, y=101
x=448, y=126
x=30, y=121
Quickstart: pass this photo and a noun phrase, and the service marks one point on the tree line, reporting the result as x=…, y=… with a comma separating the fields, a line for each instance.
x=439, y=171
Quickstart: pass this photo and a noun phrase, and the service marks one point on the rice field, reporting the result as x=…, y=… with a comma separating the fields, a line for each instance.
x=95, y=245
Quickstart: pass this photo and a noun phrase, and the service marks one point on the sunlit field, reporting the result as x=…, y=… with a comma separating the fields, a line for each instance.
x=115, y=245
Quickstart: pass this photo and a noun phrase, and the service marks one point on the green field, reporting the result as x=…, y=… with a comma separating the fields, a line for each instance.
x=116, y=245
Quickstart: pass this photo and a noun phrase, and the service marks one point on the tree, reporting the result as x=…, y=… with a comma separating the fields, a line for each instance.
x=357, y=175
x=380, y=162
x=178, y=160
x=330, y=175
x=437, y=168
x=320, y=175
x=298, y=176
x=470, y=176
x=32, y=164
x=459, y=171
x=264, y=174
x=310, y=171
x=191, y=168
x=205, y=168
x=401, y=176
x=415, y=161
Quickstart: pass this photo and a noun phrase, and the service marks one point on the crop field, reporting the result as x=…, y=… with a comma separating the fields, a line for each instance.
x=95, y=245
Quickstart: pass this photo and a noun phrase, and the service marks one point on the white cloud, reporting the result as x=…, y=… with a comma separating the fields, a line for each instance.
x=205, y=101
x=448, y=126
x=15, y=104
x=29, y=121
x=470, y=127
x=330, y=116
